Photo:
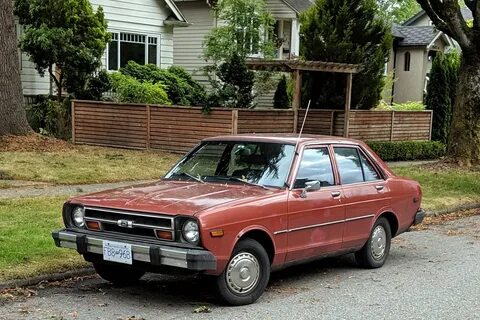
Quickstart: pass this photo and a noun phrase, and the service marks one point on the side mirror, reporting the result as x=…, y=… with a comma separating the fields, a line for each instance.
x=311, y=186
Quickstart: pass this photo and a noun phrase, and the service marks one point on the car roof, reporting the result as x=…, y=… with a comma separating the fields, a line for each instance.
x=286, y=138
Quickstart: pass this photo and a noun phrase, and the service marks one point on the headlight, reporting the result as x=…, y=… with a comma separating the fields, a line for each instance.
x=78, y=217
x=190, y=232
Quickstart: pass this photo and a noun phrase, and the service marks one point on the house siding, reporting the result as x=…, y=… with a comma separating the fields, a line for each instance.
x=188, y=41
x=280, y=10
x=409, y=84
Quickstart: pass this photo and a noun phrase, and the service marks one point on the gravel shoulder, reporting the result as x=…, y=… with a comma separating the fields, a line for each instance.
x=431, y=274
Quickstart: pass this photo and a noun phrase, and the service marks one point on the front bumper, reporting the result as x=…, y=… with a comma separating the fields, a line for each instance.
x=419, y=217
x=143, y=251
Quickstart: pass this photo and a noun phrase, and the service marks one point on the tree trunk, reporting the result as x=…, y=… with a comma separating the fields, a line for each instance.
x=464, y=140
x=13, y=119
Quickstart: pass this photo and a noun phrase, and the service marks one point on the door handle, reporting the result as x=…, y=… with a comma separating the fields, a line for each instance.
x=379, y=187
x=336, y=194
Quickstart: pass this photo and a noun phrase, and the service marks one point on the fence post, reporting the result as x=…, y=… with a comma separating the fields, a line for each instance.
x=392, y=125
x=73, y=121
x=235, y=122
x=295, y=120
x=431, y=125
x=148, y=127
x=332, y=122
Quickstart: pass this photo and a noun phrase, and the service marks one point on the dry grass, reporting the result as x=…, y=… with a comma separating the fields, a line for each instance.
x=59, y=162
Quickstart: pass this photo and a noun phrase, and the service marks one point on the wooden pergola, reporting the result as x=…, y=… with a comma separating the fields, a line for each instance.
x=297, y=67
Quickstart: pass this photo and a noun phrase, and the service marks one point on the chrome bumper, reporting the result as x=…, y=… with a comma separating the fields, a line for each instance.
x=156, y=255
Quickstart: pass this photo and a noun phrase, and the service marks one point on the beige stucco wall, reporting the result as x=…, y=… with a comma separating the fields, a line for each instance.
x=409, y=85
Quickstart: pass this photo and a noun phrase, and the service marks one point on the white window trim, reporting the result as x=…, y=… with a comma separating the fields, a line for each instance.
x=147, y=36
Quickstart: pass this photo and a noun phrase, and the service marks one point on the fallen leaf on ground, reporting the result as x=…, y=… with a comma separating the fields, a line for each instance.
x=202, y=309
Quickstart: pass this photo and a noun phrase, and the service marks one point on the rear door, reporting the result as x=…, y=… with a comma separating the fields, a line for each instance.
x=315, y=219
x=365, y=193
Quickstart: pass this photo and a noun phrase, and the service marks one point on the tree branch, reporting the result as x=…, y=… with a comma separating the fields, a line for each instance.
x=447, y=17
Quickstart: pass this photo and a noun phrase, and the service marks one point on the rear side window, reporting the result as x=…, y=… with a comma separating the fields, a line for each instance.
x=353, y=166
x=315, y=165
x=349, y=165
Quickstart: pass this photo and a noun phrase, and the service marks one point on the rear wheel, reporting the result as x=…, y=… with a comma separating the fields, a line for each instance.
x=246, y=276
x=118, y=274
x=375, y=252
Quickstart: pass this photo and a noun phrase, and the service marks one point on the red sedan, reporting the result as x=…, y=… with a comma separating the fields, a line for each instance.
x=238, y=207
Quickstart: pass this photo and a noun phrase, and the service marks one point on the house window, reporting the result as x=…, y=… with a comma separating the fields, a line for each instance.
x=126, y=47
x=407, y=61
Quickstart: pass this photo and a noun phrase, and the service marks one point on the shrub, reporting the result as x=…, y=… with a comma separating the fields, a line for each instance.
x=408, y=150
x=406, y=106
x=280, y=99
x=129, y=89
x=48, y=116
x=179, y=85
x=95, y=87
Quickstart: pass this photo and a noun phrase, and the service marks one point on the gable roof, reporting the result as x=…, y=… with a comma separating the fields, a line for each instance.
x=415, y=35
x=177, y=14
x=299, y=5
x=466, y=13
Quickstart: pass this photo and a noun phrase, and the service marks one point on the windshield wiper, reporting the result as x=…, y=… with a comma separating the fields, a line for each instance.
x=188, y=175
x=246, y=182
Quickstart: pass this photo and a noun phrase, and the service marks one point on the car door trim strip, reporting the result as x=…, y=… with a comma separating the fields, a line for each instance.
x=324, y=224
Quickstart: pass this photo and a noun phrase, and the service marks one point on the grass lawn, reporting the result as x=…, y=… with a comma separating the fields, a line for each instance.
x=444, y=187
x=83, y=165
x=26, y=246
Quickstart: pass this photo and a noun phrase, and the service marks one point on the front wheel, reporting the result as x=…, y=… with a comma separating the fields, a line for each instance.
x=118, y=274
x=246, y=276
x=375, y=252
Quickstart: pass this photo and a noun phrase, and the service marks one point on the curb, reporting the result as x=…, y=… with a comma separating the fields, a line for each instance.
x=90, y=271
x=46, y=278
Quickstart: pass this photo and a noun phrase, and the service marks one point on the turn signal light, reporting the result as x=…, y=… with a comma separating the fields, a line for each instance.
x=93, y=225
x=164, y=235
x=216, y=233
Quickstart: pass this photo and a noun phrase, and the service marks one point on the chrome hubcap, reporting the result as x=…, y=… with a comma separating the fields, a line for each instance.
x=243, y=272
x=379, y=242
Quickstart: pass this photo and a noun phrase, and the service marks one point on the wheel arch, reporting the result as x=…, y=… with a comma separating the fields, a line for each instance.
x=392, y=221
x=262, y=236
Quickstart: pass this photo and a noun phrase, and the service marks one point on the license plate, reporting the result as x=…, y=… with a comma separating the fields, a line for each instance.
x=117, y=252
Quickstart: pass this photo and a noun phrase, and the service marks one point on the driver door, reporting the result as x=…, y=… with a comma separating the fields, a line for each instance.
x=316, y=218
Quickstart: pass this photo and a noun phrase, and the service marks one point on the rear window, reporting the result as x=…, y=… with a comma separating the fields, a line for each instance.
x=353, y=166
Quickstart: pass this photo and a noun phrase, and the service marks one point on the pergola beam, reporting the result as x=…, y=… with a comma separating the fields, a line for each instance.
x=348, y=102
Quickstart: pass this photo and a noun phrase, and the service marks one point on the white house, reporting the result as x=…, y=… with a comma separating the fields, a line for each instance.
x=142, y=31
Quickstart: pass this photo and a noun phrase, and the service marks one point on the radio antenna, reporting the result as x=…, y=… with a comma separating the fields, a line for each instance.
x=303, y=126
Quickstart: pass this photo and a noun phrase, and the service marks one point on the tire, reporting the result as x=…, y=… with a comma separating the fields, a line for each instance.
x=119, y=275
x=375, y=252
x=248, y=270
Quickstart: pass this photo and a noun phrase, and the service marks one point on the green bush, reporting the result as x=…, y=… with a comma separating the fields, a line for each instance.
x=406, y=106
x=408, y=150
x=280, y=99
x=48, y=116
x=129, y=89
x=179, y=85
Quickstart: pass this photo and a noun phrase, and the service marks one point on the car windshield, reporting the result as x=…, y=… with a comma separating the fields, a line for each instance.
x=262, y=164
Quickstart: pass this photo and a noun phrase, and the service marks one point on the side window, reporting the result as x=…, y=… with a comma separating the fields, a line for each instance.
x=349, y=166
x=368, y=170
x=315, y=165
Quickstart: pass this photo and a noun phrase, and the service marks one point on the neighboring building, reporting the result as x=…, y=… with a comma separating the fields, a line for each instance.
x=415, y=44
x=142, y=31
x=188, y=42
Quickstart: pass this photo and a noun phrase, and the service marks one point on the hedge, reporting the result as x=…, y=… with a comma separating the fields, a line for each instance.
x=408, y=150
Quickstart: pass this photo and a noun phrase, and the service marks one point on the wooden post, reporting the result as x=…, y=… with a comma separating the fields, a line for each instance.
x=297, y=94
x=235, y=122
x=431, y=125
x=332, y=122
x=295, y=121
x=149, y=120
x=392, y=126
x=348, y=102
x=73, y=121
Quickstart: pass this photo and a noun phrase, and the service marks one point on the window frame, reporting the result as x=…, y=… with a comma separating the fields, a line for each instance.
x=147, y=36
x=300, y=155
x=360, y=150
x=407, y=61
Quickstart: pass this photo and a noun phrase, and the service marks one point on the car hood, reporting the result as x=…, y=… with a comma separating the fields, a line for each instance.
x=173, y=197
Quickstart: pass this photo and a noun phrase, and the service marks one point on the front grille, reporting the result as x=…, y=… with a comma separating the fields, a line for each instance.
x=132, y=223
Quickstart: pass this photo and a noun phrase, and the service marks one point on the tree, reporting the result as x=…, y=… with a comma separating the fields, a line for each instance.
x=12, y=113
x=398, y=11
x=349, y=31
x=441, y=93
x=280, y=99
x=464, y=140
x=65, y=38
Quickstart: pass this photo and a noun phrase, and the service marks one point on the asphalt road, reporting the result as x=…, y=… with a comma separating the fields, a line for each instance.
x=431, y=274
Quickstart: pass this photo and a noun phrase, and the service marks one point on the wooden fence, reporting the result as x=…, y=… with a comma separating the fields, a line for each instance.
x=178, y=129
